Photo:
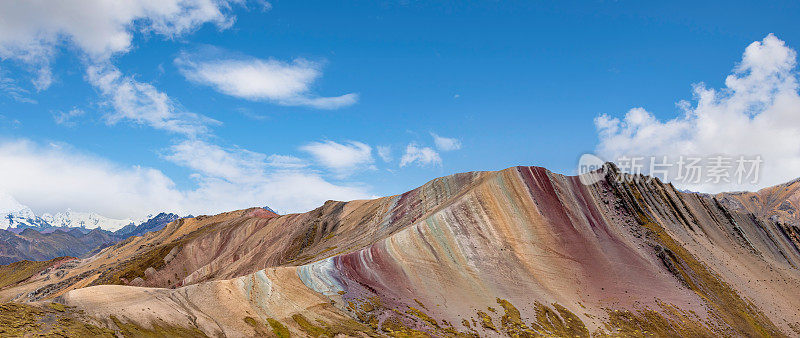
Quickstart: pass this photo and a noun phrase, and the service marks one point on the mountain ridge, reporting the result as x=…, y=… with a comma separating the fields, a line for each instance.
x=45, y=243
x=519, y=251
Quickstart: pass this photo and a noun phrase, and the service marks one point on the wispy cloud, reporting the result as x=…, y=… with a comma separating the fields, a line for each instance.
x=232, y=165
x=67, y=118
x=343, y=158
x=284, y=83
x=142, y=103
x=446, y=143
x=422, y=156
x=6, y=122
x=286, y=162
x=385, y=153
x=10, y=88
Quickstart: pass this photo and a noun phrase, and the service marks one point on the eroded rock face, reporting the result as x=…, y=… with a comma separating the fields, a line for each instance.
x=778, y=205
x=521, y=252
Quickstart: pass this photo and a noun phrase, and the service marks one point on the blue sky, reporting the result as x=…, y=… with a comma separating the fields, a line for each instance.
x=503, y=84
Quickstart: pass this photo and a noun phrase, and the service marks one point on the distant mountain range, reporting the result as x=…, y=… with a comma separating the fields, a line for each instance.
x=39, y=243
x=26, y=236
x=33, y=245
x=16, y=215
x=155, y=223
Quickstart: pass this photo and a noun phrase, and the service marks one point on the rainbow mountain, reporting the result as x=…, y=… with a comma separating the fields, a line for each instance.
x=520, y=252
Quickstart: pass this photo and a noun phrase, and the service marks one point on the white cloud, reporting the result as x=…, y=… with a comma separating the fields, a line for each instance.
x=343, y=158
x=257, y=79
x=142, y=103
x=757, y=113
x=385, y=153
x=43, y=79
x=446, y=143
x=423, y=156
x=54, y=178
x=232, y=165
x=9, y=204
x=285, y=161
x=12, y=90
x=6, y=122
x=31, y=31
x=67, y=118
x=234, y=178
x=265, y=5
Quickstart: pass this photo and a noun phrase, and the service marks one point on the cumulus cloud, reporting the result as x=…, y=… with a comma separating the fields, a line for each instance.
x=343, y=158
x=84, y=182
x=284, y=83
x=446, y=143
x=756, y=113
x=142, y=103
x=54, y=178
x=423, y=156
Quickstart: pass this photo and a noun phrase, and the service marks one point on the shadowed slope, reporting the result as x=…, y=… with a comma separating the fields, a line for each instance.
x=31, y=244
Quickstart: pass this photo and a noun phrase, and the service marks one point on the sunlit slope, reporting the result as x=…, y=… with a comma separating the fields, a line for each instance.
x=521, y=251
x=238, y=243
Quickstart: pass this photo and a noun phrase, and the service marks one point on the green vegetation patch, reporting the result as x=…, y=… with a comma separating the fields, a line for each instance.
x=278, y=329
x=726, y=305
x=394, y=327
x=133, y=330
x=346, y=327
x=18, y=320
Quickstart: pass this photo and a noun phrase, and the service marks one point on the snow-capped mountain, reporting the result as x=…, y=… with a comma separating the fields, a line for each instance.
x=88, y=220
x=154, y=223
x=16, y=215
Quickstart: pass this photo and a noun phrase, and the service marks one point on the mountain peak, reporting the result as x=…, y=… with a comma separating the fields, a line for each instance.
x=16, y=215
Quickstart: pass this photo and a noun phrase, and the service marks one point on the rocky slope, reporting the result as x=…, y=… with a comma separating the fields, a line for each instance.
x=519, y=252
x=778, y=204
